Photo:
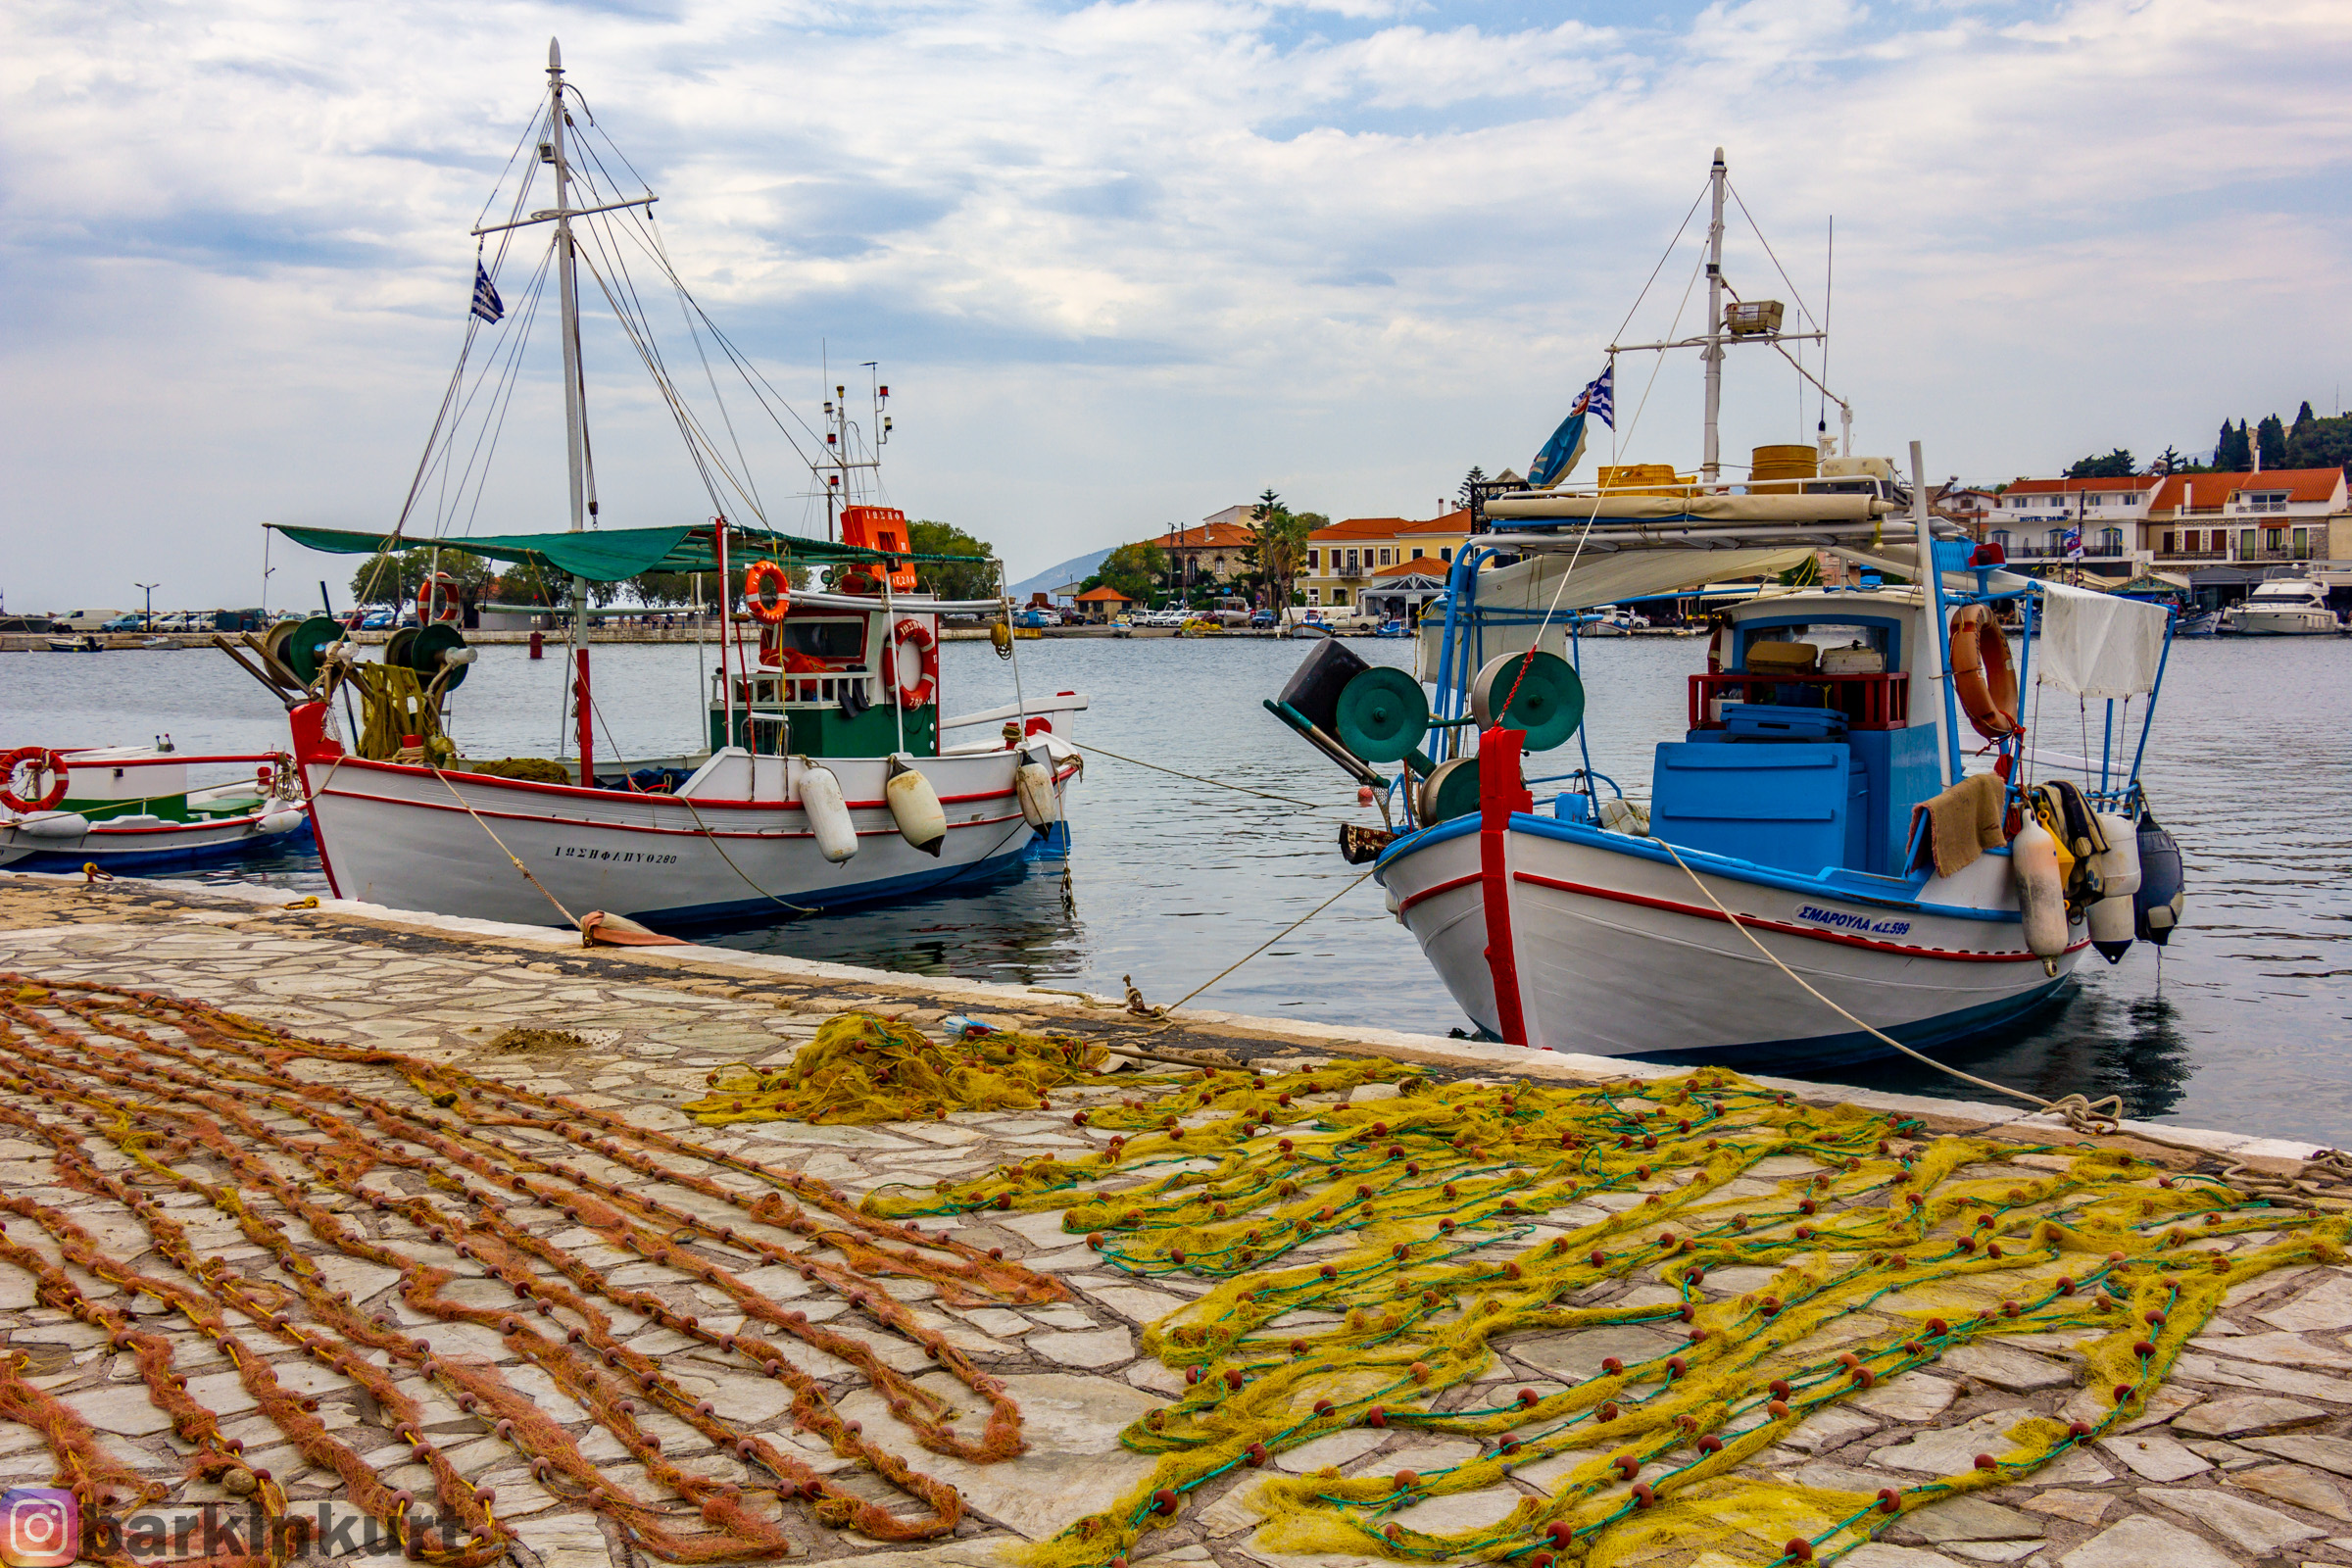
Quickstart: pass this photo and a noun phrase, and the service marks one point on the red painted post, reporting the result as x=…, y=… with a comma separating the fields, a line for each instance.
x=1501, y=792
x=587, y=710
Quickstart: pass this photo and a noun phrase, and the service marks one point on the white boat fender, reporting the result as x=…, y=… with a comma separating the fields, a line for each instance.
x=53, y=825
x=285, y=819
x=2110, y=918
x=2162, y=885
x=914, y=806
x=2040, y=895
x=1041, y=808
x=828, y=815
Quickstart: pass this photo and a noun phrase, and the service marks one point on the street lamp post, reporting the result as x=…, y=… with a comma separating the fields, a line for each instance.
x=147, y=620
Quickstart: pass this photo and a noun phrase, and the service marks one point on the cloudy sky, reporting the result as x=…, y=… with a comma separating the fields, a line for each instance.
x=1128, y=262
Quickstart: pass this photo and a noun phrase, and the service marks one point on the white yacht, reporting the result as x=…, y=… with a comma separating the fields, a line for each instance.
x=2283, y=607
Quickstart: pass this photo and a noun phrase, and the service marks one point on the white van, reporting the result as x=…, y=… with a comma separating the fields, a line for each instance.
x=87, y=619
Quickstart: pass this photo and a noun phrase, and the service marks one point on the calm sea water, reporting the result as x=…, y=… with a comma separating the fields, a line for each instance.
x=2241, y=1024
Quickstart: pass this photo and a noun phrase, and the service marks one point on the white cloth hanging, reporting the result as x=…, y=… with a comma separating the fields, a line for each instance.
x=2097, y=645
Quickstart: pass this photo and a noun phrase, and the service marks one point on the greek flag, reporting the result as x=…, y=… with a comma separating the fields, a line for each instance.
x=1567, y=443
x=2070, y=542
x=486, y=303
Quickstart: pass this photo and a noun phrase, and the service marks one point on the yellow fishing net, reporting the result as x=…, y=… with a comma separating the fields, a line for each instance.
x=1366, y=1256
x=863, y=1069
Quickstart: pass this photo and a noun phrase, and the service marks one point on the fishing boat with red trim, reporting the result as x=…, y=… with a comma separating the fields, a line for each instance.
x=1814, y=874
x=826, y=773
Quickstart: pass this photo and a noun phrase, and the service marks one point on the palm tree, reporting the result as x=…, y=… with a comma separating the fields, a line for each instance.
x=1280, y=543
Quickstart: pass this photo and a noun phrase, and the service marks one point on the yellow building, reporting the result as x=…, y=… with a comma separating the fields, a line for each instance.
x=1342, y=560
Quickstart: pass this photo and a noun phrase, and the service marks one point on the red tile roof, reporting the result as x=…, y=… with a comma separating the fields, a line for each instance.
x=2216, y=489
x=1206, y=536
x=2136, y=482
x=1427, y=566
x=1104, y=594
x=1358, y=528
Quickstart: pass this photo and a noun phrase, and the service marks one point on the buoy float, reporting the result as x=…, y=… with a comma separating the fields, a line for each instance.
x=914, y=806
x=1040, y=808
x=2111, y=917
x=828, y=815
x=2040, y=890
x=2163, y=887
x=283, y=819
x=53, y=825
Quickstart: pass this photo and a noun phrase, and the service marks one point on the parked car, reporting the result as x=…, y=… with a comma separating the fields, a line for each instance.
x=130, y=622
x=1263, y=620
x=377, y=621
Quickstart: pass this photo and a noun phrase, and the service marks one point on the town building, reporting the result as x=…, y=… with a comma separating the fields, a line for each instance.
x=2182, y=519
x=1342, y=560
x=1214, y=551
x=1103, y=604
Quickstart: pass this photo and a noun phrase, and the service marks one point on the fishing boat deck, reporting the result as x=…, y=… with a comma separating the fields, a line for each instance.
x=2239, y=1459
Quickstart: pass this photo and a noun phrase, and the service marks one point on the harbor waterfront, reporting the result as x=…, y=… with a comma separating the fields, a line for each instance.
x=1171, y=880
x=586, y=1180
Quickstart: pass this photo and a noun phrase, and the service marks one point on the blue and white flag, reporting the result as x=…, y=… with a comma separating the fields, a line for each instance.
x=1567, y=444
x=486, y=303
x=2070, y=542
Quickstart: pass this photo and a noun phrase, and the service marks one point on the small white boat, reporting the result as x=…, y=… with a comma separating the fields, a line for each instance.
x=2283, y=607
x=129, y=809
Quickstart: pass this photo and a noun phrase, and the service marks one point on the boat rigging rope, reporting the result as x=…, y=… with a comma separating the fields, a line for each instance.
x=1217, y=783
x=569, y=919
x=2080, y=1113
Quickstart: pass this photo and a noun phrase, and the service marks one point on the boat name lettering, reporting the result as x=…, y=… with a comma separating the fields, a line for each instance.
x=631, y=857
x=1852, y=922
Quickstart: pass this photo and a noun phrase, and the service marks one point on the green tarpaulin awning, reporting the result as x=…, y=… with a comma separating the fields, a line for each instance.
x=607, y=555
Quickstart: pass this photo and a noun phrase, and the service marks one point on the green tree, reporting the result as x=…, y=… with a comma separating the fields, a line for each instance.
x=2169, y=461
x=2270, y=440
x=2116, y=465
x=1135, y=570
x=392, y=577
x=953, y=582
x=1471, y=481
x=2234, y=452
x=1279, y=544
x=2322, y=444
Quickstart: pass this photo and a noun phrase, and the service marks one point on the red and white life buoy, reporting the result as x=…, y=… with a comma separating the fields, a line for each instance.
x=1981, y=676
x=437, y=598
x=912, y=633
x=766, y=592
x=42, y=761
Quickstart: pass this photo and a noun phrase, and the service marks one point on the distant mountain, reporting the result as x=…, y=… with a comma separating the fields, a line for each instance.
x=1075, y=569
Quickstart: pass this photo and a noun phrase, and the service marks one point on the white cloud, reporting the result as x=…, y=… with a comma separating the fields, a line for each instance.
x=1131, y=261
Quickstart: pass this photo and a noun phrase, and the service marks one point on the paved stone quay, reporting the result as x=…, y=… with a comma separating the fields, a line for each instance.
x=2241, y=1457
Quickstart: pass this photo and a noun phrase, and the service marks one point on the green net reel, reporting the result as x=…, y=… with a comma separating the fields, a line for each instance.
x=1450, y=790
x=425, y=656
x=1381, y=715
x=1549, y=704
x=305, y=643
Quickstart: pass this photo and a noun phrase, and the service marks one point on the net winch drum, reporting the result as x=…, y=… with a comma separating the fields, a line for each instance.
x=1381, y=714
x=1547, y=704
x=1449, y=790
x=1314, y=687
x=305, y=643
x=435, y=652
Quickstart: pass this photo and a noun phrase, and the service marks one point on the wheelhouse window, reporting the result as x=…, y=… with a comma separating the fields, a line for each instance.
x=838, y=640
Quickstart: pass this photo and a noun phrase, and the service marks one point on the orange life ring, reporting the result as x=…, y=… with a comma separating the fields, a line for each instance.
x=42, y=761
x=766, y=592
x=1982, y=677
x=921, y=692
x=437, y=598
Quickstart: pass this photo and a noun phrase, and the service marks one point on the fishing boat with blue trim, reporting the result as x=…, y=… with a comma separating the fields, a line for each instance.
x=1848, y=847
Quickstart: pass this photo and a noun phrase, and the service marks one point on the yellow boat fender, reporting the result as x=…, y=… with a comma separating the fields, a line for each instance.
x=914, y=806
x=828, y=815
x=2040, y=890
x=2110, y=918
x=1041, y=808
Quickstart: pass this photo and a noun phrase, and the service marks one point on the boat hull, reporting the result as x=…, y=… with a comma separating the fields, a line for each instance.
x=1611, y=950
x=459, y=844
x=2281, y=623
x=163, y=846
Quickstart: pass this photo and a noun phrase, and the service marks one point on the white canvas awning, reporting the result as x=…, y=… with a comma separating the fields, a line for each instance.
x=1528, y=588
x=2097, y=645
